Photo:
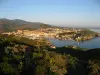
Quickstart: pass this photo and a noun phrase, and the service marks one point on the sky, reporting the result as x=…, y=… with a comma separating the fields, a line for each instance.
x=81, y=13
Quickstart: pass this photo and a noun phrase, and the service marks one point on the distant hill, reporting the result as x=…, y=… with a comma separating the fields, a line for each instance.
x=11, y=25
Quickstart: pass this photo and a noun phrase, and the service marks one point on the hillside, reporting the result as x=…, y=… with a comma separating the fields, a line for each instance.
x=10, y=25
x=22, y=56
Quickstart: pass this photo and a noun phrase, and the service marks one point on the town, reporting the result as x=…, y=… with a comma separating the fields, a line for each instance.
x=57, y=33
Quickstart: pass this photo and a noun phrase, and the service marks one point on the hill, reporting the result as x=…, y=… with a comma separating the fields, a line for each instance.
x=11, y=25
x=22, y=56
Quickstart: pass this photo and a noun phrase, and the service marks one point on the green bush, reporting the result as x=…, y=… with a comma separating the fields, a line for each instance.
x=6, y=68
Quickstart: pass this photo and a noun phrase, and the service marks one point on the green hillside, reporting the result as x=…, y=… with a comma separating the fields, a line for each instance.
x=11, y=25
x=22, y=56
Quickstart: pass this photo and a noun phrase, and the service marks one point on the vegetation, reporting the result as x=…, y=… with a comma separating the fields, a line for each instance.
x=22, y=56
x=88, y=32
x=13, y=25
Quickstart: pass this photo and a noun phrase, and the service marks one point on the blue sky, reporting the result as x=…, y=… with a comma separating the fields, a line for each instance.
x=56, y=12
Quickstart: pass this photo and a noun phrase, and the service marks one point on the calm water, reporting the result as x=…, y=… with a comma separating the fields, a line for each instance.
x=94, y=43
x=96, y=30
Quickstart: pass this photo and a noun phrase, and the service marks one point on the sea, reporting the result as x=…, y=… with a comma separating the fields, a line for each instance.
x=89, y=44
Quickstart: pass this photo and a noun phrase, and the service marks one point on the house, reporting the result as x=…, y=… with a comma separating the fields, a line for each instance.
x=52, y=46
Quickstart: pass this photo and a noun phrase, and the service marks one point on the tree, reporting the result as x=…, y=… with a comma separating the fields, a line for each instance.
x=6, y=68
x=40, y=70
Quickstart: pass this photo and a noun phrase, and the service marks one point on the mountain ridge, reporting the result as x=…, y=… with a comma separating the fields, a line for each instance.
x=15, y=24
